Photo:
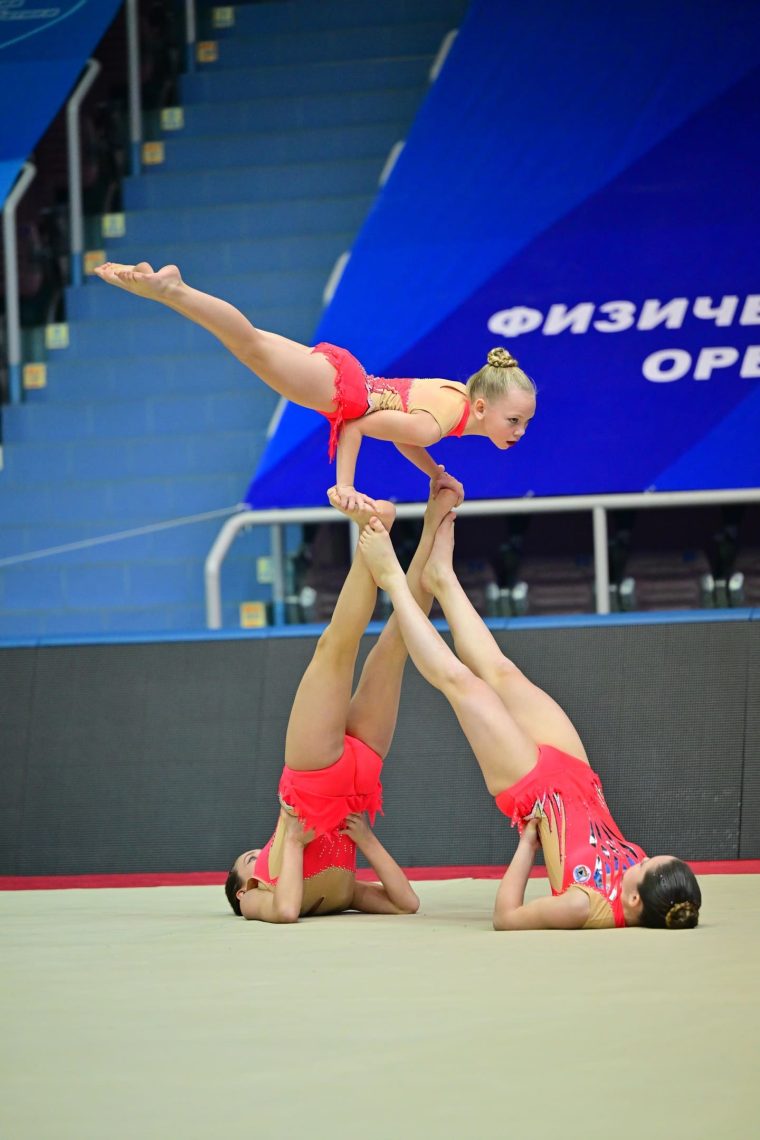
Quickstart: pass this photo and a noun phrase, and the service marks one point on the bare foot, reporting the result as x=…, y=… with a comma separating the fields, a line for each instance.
x=440, y=564
x=141, y=278
x=438, y=506
x=377, y=551
x=384, y=510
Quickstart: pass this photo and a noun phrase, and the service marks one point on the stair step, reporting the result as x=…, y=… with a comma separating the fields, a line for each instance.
x=120, y=419
x=317, y=78
x=294, y=112
x=120, y=378
x=153, y=374
x=191, y=540
x=260, y=219
x=101, y=502
x=229, y=452
x=167, y=332
x=295, y=19
x=250, y=292
x=84, y=585
x=276, y=147
x=330, y=44
x=249, y=184
x=231, y=257
x=187, y=617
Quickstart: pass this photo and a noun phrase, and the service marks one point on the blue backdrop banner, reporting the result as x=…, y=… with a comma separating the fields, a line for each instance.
x=580, y=186
x=43, y=48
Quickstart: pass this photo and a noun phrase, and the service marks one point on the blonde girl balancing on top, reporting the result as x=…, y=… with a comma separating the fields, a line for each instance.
x=497, y=402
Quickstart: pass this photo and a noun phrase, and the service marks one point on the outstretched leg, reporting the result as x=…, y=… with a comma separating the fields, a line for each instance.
x=290, y=368
x=535, y=711
x=503, y=750
x=374, y=707
x=319, y=715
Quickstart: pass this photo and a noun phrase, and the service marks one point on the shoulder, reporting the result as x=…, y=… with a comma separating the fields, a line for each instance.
x=439, y=383
x=454, y=386
x=441, y=386
x=443, y=399
x=600, y=914
x=573, y=905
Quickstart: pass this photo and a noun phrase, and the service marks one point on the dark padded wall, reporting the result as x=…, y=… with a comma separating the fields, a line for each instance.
x=165, y=757
x=750, y=817
x=16, y=687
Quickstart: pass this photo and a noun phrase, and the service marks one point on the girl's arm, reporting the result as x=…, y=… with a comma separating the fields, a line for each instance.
x=422, y=459
x=418, y=430
x=393, y=894
x=283, y=904
x=419, y=457
x=562, y=912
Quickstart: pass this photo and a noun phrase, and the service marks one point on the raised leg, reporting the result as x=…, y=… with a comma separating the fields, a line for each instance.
x=374, y=706
x=503, y=750
x=538, y=714
x=288, y=367
x=319, y=715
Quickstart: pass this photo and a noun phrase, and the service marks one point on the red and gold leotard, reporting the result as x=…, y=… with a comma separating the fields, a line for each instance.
x=329, y=866
x=322, y=798
x=359, y=394
x=583, y=846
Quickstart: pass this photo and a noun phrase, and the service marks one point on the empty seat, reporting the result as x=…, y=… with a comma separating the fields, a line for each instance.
x=561, y=584
x=666, y=580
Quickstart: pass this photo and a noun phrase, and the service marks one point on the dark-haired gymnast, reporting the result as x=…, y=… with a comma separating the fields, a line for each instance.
x=334, y=750
x=535, y=765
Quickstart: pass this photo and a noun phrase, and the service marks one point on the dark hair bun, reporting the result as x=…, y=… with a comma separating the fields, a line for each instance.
x=682, y=914
x=500, y=358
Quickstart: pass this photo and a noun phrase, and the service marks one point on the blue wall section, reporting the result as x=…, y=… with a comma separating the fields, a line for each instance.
x=43, y=48
x=592, y=157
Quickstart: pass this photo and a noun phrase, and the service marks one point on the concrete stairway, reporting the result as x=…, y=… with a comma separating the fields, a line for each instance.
x=145, y=417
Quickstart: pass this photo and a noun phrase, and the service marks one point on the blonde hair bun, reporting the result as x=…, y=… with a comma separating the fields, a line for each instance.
x=500, y=358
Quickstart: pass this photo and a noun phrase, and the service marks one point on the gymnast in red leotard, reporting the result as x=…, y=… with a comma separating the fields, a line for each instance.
x=334, y=749
x=497, y=402
x=535, y=765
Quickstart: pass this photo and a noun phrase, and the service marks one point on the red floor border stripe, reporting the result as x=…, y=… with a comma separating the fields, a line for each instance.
x=216, y=878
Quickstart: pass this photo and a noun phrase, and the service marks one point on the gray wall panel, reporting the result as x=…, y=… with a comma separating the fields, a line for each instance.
x=750, y=830
x=16, y=693
x=166, y=757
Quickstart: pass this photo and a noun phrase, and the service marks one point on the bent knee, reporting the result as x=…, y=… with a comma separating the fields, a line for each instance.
x=254, y=351
x=334, y=644
x=502, y=671
x=457, y=682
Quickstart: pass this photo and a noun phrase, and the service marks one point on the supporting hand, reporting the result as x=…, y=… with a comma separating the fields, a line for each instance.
x=349, y=499
x=356, y=828
x=294, y=830
x=444, y=481
x=530, y=837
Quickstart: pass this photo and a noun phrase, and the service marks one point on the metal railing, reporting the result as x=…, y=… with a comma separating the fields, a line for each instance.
x=133, y=84
x=12, y=321
x=74, y=154
x=597, y=505
x=191, y=34
x=73, y=144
